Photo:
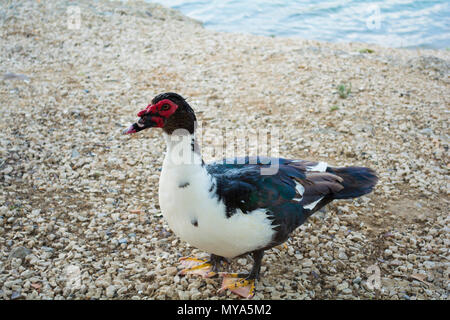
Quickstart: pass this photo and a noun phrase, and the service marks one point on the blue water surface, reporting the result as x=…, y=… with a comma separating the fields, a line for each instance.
x=393, y=23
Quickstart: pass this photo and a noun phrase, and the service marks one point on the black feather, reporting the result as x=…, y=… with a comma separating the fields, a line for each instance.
x=357, y=181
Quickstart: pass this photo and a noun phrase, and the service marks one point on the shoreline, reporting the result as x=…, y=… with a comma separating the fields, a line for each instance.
x=254, y=21
x=76, y=193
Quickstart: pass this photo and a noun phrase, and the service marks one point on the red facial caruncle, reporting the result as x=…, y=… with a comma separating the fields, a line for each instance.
x=154, y=115
x=159, y=111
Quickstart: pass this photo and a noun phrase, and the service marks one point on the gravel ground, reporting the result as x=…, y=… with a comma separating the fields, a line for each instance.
x=79, y=215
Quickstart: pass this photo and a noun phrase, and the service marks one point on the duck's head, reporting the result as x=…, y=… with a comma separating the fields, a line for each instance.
x=168, y=111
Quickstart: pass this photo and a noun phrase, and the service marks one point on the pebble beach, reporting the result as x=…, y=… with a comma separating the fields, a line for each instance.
x=79, y=213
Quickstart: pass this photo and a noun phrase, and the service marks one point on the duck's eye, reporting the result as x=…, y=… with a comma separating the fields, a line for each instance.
x=141, y=122
x=165, y=107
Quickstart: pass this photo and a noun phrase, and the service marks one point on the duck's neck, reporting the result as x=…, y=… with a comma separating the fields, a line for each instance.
x=182, y=151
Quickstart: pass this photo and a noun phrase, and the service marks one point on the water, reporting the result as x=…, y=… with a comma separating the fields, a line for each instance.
x=393, y=23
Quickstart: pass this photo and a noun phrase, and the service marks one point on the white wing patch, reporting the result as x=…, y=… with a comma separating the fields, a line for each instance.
x=320, y=167
x=312, y=205
x=300, y=189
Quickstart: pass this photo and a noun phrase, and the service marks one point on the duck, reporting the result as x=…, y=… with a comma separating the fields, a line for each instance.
x=238, y=206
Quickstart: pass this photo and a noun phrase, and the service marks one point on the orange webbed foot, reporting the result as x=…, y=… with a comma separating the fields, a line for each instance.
x=197, y=267
x=238, y=284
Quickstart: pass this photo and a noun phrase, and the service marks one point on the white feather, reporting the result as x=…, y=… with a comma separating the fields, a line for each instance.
x=319, y=167
x=300, y=189
x=312, y=205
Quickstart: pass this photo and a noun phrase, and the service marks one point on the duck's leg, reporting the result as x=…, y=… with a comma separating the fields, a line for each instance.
x=202, y=267
x=241, y=283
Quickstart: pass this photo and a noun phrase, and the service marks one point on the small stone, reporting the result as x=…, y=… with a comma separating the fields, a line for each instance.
x=110, y=291
x=15, y=76
x=395, y=263
x=291, y=251
x=307, y=263
x=355, y=236
x=171, y=271
x=242, y=261
x=342, y=255
x=75, y=154
x=112, y=161
x=412, y=257
x=184, y=295
x=8, y=170
x=427, y=131
x=342, y=286
x=196, y=295
x=347, y=291
x=19, y=253
x=357, y=280
x=122, y=291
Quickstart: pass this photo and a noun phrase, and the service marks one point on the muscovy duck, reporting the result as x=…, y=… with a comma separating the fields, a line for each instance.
x=230, y=208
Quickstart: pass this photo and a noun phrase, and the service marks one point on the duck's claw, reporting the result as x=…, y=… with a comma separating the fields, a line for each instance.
x=196, y=266
x=237, y=284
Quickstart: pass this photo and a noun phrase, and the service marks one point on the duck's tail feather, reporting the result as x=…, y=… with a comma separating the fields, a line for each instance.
x=357, y=181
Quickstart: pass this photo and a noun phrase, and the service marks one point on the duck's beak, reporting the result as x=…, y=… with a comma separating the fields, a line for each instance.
x=131, y=129
x=137, y=126
x=141, y=124
x=147, y=119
